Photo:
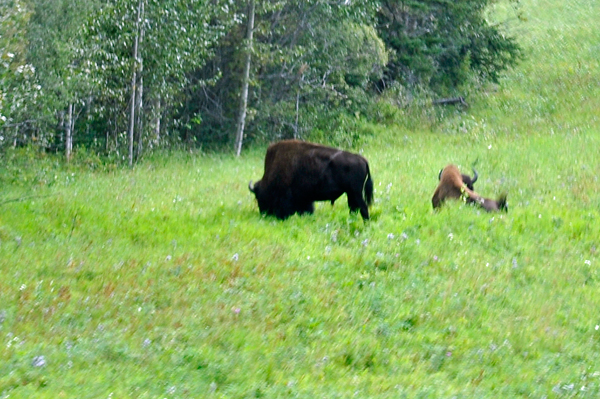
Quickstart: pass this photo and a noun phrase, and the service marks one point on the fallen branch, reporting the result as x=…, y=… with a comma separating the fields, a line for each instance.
x=453, y=100
x=24, y=198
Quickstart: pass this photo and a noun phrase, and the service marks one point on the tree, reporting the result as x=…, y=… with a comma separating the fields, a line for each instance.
x=123, y=76
x=53, y=30
x=301, y=50
x=440, y=44
x=136, y=85
x=245, y=79
x=17, y=84
x=178, y=36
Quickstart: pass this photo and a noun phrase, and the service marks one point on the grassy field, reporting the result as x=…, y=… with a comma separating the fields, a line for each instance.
x=164, y=281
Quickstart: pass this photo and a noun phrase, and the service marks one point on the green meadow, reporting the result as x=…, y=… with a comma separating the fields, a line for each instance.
x=164, y=281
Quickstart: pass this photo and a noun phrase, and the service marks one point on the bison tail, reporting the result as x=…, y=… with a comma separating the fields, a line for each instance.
x=368, y=188
x=502, y=204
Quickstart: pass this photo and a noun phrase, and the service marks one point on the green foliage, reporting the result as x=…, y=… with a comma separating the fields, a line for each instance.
x=347, y=54
x=441, y=44
x=311, y=61
x=164, y=280
x=175, y=38
x=55, y=52
x=317, y=66
x=17, y=84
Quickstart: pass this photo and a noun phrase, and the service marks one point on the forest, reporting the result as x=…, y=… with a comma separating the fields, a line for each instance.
x=122, y=78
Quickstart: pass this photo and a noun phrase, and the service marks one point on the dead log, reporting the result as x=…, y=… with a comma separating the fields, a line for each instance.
x=449, y=101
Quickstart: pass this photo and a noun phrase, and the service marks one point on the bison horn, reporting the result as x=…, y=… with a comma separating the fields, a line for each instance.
x=440, y=175
x=251, y=186
x=475, y=175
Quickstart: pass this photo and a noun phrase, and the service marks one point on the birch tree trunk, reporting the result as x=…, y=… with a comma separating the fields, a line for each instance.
x=239, y=137
x=134, y=81
x=62, y=129
x=157, y=114
x=69, y=133
x=140, y=89
x=296, y=134
x=139, y=113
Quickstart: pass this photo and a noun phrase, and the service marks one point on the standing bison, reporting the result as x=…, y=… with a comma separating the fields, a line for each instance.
x=298, y=173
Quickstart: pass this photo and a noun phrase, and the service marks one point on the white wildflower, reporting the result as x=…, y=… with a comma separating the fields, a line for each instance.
x=39, y=361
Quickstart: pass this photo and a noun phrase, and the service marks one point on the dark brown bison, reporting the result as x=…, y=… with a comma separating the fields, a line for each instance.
x=465, y=178
x=452, y=185
x=298, y=173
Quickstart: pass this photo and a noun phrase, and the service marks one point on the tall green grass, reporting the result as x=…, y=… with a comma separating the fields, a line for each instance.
x=164, y=281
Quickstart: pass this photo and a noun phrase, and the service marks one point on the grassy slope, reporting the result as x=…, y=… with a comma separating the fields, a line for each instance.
x=164, y=281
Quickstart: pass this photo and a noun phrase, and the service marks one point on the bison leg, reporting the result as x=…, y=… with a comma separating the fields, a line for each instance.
x=283, y=212
x=306, y=207
x=356, y=203
x=285, y=206
x=364, y=211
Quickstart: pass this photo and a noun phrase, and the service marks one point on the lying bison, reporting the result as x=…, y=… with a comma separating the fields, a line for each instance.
x=298, y=173
x=452, y=185
x=469, y=182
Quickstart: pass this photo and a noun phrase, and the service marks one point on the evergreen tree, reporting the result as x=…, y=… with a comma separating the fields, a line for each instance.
x=439, y=44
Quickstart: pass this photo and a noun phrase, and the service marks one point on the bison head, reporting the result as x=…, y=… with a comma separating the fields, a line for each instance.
x=251, y=187
x=256, y=189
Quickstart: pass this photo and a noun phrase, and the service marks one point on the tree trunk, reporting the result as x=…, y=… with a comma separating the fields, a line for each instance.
x=88, y=117
x=60, y=139
x=296, y=134
x=140, y=90
x=157, y=113
x=69, y=133
x=134, y=81
x=246, y=78
x=139, y=113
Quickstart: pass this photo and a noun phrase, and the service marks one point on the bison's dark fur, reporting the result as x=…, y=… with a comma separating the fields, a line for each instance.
x=452, y=186
x=298, y=173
